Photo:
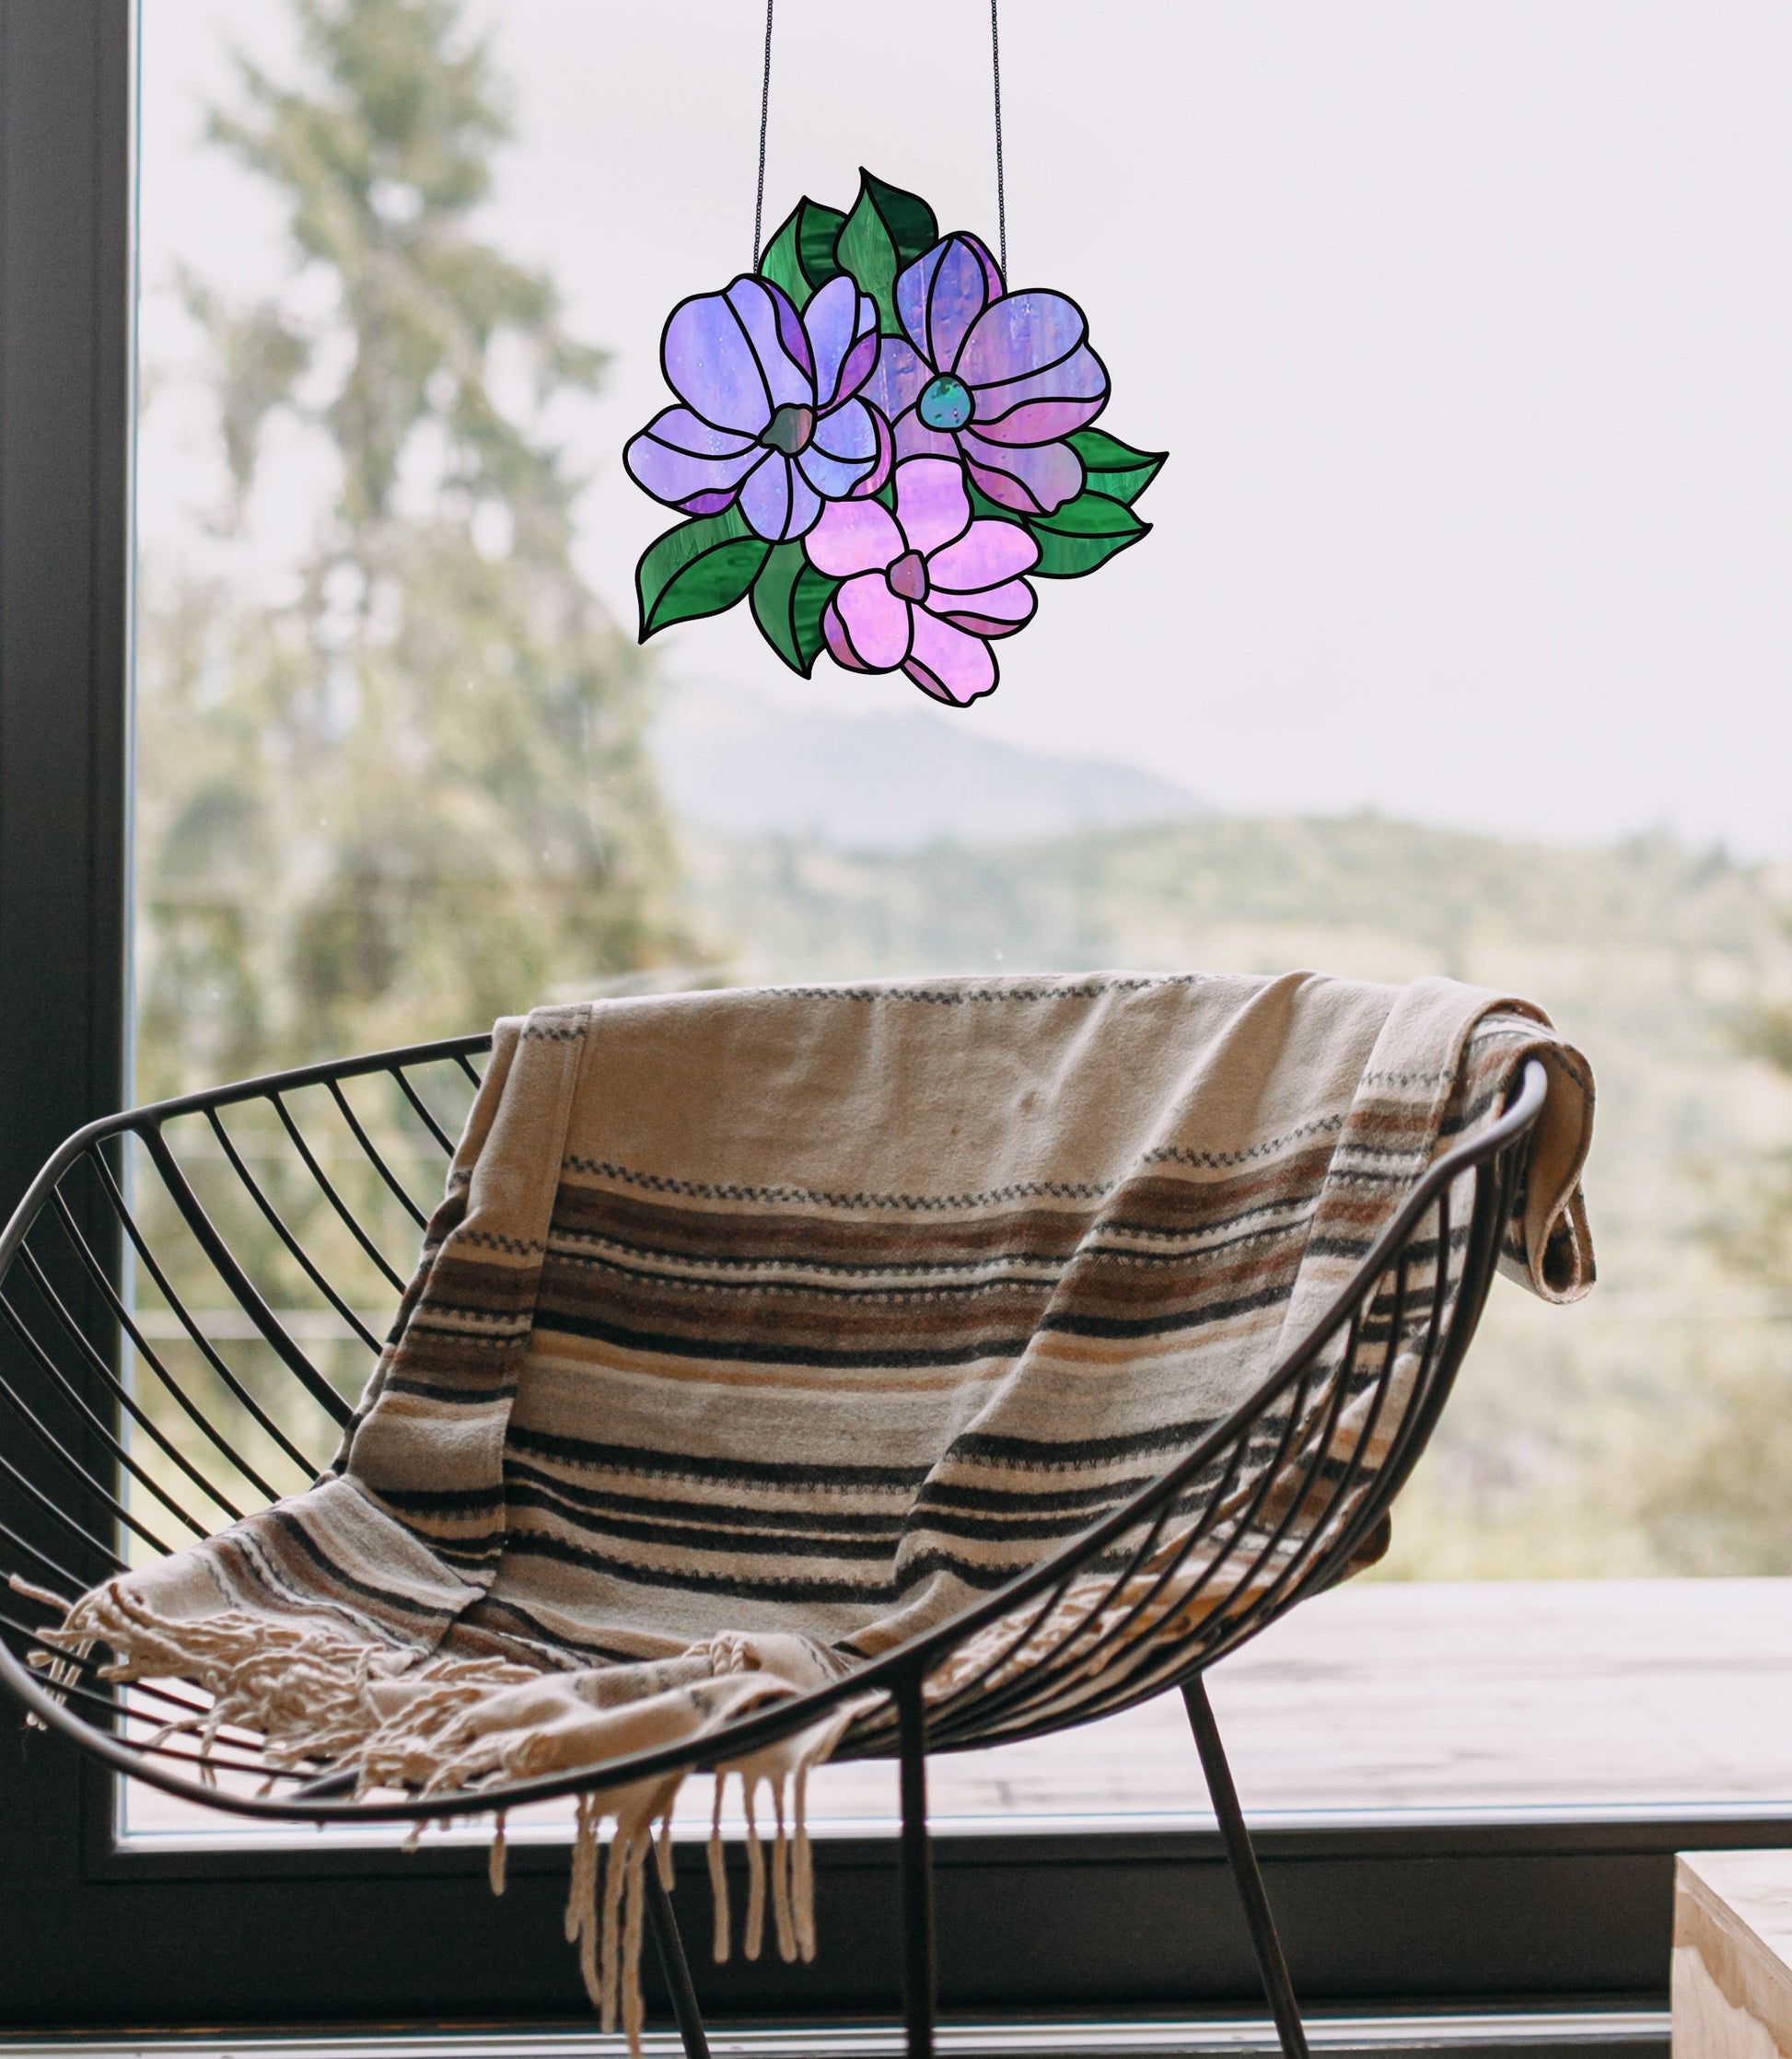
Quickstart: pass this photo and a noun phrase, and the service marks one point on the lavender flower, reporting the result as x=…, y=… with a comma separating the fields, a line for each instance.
x=771, y=415
x=997, y=379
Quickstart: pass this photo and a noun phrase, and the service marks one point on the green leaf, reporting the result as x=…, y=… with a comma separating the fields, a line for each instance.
x=910, y=222
x=780, y=260
x=817, y=228
x=865, y=250
x=788, y=598
x=1083, y=533
x=800, y=258
x=1115, y=468
x=699, y=568
x=886, y=231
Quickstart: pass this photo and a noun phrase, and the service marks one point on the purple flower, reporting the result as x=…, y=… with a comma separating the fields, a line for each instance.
x=998, y=378
x=926, y=588
x=771, y=415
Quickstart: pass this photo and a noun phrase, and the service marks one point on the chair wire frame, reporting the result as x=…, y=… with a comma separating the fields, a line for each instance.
x=188, y=1292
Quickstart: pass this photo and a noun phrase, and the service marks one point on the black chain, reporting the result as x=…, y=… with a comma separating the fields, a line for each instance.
x=1001, y=184
x=1001, y=195
x=765, y=110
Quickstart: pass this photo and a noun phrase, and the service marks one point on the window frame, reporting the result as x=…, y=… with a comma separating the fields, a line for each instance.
x=1518, y=1912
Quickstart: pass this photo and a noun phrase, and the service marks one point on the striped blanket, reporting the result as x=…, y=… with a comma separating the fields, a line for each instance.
x=760, y=1330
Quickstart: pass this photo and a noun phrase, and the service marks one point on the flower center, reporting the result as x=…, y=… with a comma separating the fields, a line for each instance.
x=789, y=430
x=946, y=404
x=908, y=576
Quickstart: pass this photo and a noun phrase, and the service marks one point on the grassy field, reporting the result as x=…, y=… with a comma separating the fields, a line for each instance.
x=1633, y=1435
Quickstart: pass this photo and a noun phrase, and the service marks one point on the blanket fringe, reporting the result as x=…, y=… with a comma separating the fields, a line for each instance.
x=718, y=1882
x=311, y=1695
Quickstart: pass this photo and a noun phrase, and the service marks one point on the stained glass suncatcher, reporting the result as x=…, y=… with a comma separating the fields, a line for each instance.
x=879, y=448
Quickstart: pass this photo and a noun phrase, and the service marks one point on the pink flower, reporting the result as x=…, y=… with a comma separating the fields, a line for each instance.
x=924, y=590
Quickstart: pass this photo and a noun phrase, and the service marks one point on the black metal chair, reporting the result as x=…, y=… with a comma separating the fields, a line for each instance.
x=191, y=1291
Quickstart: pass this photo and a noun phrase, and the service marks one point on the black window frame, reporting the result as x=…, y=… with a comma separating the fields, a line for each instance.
x=1526, y=1912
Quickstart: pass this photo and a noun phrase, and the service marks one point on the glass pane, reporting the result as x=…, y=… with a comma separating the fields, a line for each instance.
x=1458, y=647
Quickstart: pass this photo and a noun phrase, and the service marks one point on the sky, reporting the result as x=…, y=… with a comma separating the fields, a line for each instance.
x=1467, y=325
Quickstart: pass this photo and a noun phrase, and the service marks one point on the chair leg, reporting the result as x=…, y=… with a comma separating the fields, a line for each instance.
x=674, y=1965
x=919, y=1985
x=1245, y=1872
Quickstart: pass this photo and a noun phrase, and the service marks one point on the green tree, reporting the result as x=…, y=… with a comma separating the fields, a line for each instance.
x=410, y=792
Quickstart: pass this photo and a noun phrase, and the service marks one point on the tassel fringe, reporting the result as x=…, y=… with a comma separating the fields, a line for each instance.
x=312, y=1697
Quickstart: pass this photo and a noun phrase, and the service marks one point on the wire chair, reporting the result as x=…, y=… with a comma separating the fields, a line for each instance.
x=188, y=1294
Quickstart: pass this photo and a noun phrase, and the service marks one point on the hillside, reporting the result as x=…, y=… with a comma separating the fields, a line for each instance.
x=1578, y=1434
x=730, y=762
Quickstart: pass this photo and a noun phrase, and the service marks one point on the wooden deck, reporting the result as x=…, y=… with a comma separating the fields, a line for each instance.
x=1439, y=1698
x=1448, y=1698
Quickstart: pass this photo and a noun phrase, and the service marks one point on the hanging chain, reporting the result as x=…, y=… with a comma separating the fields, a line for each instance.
x=1001, y=195
x=764, y=109
x=995, y=75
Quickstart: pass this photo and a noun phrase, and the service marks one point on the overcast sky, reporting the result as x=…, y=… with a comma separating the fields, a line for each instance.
x=1467, y=324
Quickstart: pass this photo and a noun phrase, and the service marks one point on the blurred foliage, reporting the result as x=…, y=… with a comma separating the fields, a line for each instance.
x=391, y=775
x=404, y=789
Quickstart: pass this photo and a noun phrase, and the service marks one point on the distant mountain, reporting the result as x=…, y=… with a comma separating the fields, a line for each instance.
x=734, y=763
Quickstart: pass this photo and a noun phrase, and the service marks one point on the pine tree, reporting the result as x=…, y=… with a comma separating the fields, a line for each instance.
x=412, y=793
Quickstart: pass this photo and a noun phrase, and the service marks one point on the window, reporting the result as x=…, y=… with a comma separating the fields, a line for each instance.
x=1467, y=364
